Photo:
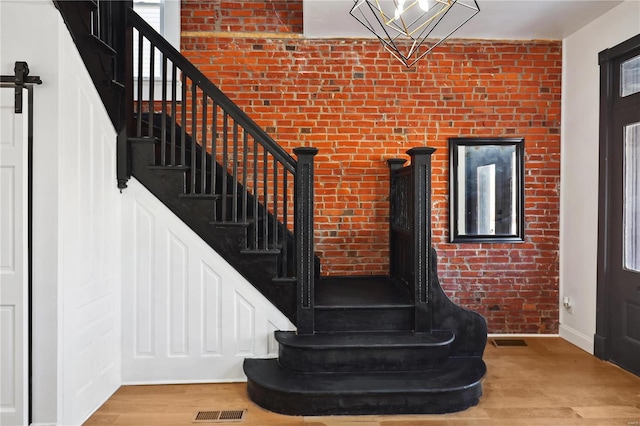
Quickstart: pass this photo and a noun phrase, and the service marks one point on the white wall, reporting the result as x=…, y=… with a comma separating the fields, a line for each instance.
x=76, y=214
x=579, y=172
x=188, y=316
x=88, y=242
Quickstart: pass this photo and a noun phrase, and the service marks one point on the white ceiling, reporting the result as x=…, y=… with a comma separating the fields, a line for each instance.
x=498, y=19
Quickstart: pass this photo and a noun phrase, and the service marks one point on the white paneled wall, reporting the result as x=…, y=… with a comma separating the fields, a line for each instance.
x=188, y=316
x=89, y=242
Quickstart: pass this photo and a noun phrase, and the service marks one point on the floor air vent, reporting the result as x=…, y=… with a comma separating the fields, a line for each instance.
x=219, y=416
x=509, y=342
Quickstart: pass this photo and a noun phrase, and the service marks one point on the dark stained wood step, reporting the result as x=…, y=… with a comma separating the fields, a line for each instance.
x=453, y=386
x=365, y=351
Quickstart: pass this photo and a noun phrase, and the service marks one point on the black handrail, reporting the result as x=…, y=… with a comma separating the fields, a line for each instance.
x=197, y=77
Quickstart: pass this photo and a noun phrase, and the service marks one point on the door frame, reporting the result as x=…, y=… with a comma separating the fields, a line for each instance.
x=22, y=83
x=609, y=99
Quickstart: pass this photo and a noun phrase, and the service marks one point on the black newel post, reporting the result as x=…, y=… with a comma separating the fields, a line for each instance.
x=421, y=183
x=303, y=225
x=394, y=164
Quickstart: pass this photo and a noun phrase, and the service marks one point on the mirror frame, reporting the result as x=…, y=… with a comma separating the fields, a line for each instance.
x=455, y=187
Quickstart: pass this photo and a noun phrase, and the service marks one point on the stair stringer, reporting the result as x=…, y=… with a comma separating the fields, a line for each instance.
x=188, y=315
x=469, y=327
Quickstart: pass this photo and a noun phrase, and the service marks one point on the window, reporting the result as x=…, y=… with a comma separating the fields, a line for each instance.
x=164, y=17
x=630, y=77
x=631, y=217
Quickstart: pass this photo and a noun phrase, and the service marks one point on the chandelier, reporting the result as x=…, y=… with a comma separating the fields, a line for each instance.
x=410, y=29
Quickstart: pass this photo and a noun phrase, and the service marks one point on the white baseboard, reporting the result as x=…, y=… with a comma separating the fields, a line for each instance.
x=581, y=340
x=184, y=382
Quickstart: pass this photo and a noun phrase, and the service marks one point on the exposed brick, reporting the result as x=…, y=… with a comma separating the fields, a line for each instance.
x=359, y=106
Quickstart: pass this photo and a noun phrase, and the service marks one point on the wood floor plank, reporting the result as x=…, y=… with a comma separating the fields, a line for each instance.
x=548, y=382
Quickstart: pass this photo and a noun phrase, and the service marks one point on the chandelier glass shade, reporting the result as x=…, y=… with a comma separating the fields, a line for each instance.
x=410, y=29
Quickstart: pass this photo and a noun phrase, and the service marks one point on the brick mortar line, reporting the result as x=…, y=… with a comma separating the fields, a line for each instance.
x=239, y=34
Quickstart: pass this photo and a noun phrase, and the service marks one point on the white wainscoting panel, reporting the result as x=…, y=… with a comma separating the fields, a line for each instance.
x=89, y=243
x=177, y=273
x=7, y=358
x=143, y=273
x=211, y=307
x=188, y=316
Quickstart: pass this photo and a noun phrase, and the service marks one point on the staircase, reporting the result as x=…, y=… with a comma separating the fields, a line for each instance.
x=364, y=344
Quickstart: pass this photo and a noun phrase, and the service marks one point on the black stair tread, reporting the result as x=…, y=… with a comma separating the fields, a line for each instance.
x=143, y=139
x=211, y=196
x=454, y=374
x=351, y=291
x=260, y=251
x=229, y=223
x=89, y=4
x=365, y=339
x=285, y=280
x=172, y=168
x=201, y=196
x=117, y=85
x=104, y=47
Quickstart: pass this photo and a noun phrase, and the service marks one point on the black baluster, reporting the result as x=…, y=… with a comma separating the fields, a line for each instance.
x=163, y=129
x=152, y=62
x=265, y=200
x=274, y=237
x=285, y=225
x=255, y=194
x=140, y=79
x=194, y=134
x=234, y=205
x=245, y=192
x=225, y=159
x=174, y=90
x=203, y=158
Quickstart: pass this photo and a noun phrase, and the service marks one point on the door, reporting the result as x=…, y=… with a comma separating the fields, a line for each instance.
x=619, y=239
x=14, y=275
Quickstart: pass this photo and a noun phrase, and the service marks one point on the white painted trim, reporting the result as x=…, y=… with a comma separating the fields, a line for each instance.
x=182, y=382
x=574, y=337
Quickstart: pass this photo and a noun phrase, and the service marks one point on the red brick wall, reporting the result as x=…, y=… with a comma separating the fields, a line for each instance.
x=242, y=15
x=359, y=107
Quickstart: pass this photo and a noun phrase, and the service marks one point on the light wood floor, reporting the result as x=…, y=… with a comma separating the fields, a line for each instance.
x=549, y=382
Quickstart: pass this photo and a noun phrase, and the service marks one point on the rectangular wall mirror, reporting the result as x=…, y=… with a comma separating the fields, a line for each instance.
x=486, y=189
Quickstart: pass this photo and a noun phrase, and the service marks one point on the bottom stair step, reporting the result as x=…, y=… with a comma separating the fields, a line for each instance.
x=456, y=385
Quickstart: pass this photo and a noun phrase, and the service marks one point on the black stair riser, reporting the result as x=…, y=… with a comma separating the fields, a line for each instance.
x=345, y=319
x=362, y=359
